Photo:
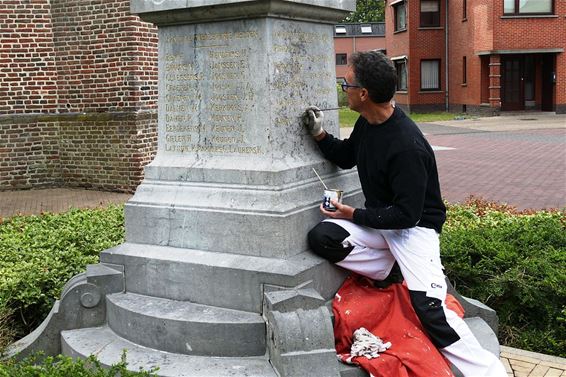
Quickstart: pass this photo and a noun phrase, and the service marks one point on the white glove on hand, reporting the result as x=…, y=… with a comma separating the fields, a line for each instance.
x=312, y=119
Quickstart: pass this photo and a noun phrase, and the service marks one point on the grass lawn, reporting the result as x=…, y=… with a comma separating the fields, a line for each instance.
x=349, y=117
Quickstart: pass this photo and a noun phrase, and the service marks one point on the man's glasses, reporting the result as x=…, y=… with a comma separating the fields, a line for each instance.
x=345, y=86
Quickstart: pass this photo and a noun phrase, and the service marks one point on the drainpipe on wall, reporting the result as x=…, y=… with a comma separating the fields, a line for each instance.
x=446, y=94
x=354, y=42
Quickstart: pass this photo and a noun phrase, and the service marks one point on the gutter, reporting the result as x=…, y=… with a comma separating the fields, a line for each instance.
x=446, y=84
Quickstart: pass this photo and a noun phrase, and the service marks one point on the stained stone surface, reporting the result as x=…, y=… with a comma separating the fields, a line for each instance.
x=233, y=171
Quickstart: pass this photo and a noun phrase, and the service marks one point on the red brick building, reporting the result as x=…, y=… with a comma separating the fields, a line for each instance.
x=78, y=91
x=503, y=55
x=349, y=38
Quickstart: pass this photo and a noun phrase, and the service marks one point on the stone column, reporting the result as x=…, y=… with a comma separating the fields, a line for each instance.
x=221, y=218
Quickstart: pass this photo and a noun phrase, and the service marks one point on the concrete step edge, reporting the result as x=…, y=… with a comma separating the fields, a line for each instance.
x=199, y=329
x=108, y=348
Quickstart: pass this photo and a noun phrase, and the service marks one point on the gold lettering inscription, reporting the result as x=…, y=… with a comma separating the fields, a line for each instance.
x=211, y=37
x=302, y=36
x=176, y=117
x=227, y=128
x=178, y=138
x=228, y=54
x=183, y=128
x=226, y=118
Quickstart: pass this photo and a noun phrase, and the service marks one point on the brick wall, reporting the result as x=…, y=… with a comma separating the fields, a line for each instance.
x=350, y=45
x=105, y=57
x=28, y=78
x=418, y=44
x=78, y=94
x=397, y=44
x=426, y=43
x=486, y=29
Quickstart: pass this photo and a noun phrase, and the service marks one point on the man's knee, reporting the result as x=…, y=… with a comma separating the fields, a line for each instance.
x=325, y=240
x=431, y=314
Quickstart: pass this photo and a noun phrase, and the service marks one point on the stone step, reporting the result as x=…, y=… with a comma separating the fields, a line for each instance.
x=184, y=327
x=108, y=348
x=225, y=280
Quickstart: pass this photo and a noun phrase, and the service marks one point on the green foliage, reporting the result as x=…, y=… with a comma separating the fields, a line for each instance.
x=367, y=11
x=64, y=366
x=342, y=96
x=347, y=117
x=433, y=117
x=38, y=254
x=7, y=332
x=513, y=262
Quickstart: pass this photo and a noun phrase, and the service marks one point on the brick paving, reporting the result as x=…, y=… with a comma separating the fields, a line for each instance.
x=33, y=202
x=520, y=363
x=526, y=169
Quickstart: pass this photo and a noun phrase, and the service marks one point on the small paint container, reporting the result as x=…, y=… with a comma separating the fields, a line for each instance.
x=331, y=195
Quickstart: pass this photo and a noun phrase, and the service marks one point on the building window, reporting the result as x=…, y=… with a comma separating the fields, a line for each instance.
x=464, y=10
x=464, y=71
x=401, y=67
x=399, y=9
x=341, y=59
x=517, y=7
x=430, y=74
x=430, y=13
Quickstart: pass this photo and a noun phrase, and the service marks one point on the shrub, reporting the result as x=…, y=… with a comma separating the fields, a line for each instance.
x=342, y=96
x=38, y=254
x=64, y=366
x=7, y=332
x=514, y=262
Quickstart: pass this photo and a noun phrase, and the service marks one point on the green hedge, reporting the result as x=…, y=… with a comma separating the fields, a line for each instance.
x=515, y=263
x=512, y=261
x=64, y=366
x=38, y=254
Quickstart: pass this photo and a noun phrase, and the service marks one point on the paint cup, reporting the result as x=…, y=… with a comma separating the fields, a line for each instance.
x=331, y=195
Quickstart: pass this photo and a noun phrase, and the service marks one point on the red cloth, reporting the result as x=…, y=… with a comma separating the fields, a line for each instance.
x=388, y=314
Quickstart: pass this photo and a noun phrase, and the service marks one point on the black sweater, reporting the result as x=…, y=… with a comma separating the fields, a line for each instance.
x=397, y=170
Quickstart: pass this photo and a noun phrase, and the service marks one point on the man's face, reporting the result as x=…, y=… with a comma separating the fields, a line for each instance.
x=353, y=94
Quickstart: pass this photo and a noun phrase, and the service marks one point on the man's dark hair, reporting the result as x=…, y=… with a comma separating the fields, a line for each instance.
x=375, y=72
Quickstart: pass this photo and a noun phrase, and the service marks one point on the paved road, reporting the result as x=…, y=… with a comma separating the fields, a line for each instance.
x=519, y=160
x=524, y=168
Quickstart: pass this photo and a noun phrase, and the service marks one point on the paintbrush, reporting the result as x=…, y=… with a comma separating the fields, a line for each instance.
x=320, y=179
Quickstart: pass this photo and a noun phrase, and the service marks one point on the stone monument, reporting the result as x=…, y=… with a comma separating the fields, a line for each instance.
x=215, y=277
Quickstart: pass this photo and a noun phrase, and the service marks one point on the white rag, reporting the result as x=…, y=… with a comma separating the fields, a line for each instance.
x=368, y=345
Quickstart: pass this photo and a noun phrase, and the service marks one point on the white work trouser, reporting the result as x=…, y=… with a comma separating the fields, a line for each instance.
x=417, y=251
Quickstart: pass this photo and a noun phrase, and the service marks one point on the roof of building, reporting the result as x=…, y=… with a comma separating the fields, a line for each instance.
x=373, y=29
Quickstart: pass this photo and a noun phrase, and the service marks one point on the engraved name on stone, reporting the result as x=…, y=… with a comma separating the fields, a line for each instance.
x=206, y=99
x=298, y=55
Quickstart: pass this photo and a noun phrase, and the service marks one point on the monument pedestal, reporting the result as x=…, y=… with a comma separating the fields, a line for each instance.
x=218, y=279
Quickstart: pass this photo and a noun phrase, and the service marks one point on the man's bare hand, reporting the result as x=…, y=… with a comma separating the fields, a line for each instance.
x=343, y=211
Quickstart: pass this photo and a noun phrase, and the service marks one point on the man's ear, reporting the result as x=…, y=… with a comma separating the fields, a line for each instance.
x=364, y=95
